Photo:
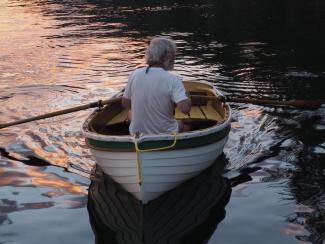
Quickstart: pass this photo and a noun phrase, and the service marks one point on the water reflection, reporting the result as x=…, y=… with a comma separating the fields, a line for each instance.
x=11, y=174
x=9, y=206
x=219, y=46
x=187, y=214
x=31, y=193
x=307, y=185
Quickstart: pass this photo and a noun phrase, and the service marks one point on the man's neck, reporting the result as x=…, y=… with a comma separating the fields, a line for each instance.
x=158, y=66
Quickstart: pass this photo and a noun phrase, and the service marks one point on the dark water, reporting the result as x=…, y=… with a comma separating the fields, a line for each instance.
x=58, y=54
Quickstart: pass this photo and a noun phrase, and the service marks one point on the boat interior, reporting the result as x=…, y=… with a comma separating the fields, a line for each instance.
x=206, y=111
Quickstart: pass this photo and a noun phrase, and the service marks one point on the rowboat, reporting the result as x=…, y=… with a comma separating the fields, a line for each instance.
x=149, y=165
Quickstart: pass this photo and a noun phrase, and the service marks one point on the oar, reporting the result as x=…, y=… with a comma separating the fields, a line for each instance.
x=307, y=104
x=64, y=111
x=310, y=104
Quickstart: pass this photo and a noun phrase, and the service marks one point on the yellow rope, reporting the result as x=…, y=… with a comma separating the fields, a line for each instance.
x=156, y=149
x=138, y=151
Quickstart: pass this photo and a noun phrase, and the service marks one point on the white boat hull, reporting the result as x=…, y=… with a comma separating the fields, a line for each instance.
x=158, y=171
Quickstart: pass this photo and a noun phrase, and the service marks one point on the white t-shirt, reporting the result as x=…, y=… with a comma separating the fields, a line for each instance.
x=152, y=96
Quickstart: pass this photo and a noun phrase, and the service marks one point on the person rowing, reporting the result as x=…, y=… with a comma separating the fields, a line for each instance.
x=152, y=92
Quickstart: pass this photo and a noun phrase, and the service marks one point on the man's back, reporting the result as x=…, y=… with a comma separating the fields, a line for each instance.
x=152, y=96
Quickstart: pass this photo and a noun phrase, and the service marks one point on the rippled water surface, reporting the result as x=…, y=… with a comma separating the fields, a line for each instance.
x=59, y=54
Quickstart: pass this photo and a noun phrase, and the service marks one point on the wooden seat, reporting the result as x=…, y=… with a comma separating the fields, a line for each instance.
x=211, y=113
x=196, y=113
x=180, y=115
x=200, y=112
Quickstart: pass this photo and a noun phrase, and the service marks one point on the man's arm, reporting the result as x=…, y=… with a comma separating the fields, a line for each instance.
x=126, y=103
x=184, y=106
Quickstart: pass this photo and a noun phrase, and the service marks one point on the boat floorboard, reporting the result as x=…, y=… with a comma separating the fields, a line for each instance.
x=121, y=117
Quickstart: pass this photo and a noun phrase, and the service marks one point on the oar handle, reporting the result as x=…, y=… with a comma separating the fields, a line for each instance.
x=61, y=112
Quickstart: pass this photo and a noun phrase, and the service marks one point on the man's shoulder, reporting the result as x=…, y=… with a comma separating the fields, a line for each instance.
x=139, y=71
x=169, y=76
x=173, y=76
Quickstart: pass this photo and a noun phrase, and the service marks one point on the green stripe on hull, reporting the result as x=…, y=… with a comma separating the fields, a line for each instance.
x=180, y=144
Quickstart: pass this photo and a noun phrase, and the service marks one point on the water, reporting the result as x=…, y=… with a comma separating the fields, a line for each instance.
x=58, y=54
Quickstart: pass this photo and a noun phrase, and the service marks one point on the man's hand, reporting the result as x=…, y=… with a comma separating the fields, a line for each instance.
x=184, y=106
x=126, y=103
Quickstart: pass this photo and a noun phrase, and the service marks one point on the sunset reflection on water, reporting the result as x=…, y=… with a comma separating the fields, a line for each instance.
x=60, y=54
x=29, y=176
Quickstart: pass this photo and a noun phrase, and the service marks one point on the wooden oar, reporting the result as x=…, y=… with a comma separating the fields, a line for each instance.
x=307, y=104
x=60, y=112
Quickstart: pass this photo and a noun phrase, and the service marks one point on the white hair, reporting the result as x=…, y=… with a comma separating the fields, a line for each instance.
x=158, y=49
